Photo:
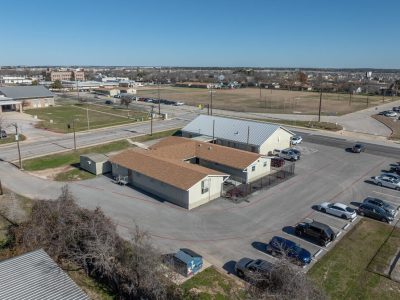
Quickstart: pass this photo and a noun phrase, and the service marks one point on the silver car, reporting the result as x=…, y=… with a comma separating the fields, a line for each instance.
x=386, y=181
x=289, y=155
x=338, y=209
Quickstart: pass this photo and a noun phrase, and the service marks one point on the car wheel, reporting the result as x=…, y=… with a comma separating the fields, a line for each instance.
x=397, y=188
x=240, y=274
x=344, y=217
x=361, y=213
x=298, y=232
x=379, y=183
x=323, y=210
x=385, y=220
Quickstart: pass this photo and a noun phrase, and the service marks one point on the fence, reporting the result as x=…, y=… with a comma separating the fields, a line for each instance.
x=242, y=191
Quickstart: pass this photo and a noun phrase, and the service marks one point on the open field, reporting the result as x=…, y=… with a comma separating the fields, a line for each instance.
x=271, y=101
x=392, y=123
x=11, y=139
x=57, y=118
x=343, y=272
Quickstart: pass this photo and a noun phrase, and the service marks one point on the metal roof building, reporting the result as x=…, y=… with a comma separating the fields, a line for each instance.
x=260, y=137
x=26, y=92
x=35, y=275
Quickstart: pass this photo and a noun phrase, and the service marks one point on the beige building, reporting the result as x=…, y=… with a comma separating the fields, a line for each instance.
x=95, y=163
x=185, y=172
x=111, y=92
x=73, y=75
x=253, y=136
x=17, y=98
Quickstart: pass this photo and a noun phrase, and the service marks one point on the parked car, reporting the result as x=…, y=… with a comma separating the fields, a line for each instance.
x=375, y=212
x=277, y=162
x=108, y=102
x=390, y=114
x=385, y=181
x=296, y=151
x=281, y=246
x=391, y=175
x=297, y=139
x=338, y=209
x=382, y=204
x=358, y=148
x=251, y=269
x=288, y=154
x=3, y=133
x=319, y=232
x=383, y=112
x=395, y=169
x=179, y=103
x=396, y=109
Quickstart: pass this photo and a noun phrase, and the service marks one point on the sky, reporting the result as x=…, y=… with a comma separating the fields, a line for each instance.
x=225, y=33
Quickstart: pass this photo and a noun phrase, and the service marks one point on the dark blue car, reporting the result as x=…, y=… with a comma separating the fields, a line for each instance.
x=280, y=246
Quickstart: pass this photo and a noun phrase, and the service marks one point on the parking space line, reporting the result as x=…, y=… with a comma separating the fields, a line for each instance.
x=317, y=253
x=346, y=226
x=376, y=192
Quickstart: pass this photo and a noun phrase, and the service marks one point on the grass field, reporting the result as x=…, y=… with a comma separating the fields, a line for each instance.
x=11, y=139
x=211, y=284
x=271, y=101
x=343, y=271
x=57, y=118
x=393, y=124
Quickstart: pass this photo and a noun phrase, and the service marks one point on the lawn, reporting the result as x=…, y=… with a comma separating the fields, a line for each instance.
x=57, y=118
x=343, y=271
x=73, y=157
x=211, y=284
x=11, y=139
x=392, y=123
x=271, y=101
x=74, y=175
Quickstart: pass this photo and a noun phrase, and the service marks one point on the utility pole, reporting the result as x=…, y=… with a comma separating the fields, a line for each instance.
x=208, y=109
x=77, y=88
x=19, y=150
x=320, y=105
x=1, y=188
x=158, y=92
x=151, y=120
x=211, y=95
x=87, y=117
x=248, y=134
x=213, y=131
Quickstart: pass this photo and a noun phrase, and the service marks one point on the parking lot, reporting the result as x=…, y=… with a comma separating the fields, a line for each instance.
x=224, y=232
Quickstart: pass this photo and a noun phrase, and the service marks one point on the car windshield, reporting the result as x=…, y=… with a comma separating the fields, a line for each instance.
x=295, y=249
x=357, y=146
x=349, y=209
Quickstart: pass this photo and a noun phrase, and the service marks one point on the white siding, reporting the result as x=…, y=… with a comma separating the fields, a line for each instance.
x=262, y=168
x=196, y=198
x=280, y=139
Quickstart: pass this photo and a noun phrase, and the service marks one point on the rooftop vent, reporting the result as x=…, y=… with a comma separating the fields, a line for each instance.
x=236, y=132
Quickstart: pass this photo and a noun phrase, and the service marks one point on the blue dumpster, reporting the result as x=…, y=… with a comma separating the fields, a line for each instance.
x=188, y=262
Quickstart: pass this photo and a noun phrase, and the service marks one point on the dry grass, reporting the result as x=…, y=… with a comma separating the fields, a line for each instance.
x=393, y=124
x=271, y=101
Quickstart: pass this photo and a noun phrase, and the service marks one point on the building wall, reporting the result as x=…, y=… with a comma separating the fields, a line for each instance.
x=155, y=187
x=279, y=140
x=262, y=168
x=110, y=92
x=38, y=103
x=235, y=174
x=197, y=198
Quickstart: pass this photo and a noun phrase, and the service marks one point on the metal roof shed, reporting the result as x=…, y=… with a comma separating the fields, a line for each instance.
x=95, y=163
x=34, y=275
x=188, y=261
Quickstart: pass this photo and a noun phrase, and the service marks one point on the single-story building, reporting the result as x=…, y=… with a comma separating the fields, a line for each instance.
x=111, y=92
x=95, y=163
x=34, y=275
x=253, y=136
x=26, y=97
x=186, y=172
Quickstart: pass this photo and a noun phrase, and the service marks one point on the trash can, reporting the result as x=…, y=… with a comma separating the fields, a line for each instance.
x=188, y=262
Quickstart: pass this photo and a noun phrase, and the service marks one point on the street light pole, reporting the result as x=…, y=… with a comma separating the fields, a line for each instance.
x=73, y=125
x=87, y=117
x=320, y=105
x=158, y=92
x=19, y=150
x=211, y=100
x=151, y=120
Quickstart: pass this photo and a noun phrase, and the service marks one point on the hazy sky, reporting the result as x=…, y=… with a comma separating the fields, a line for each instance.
x=259, y=33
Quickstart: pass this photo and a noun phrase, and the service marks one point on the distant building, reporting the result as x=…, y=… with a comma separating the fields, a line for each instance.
x=258, y=137
x=34, y=275
x=15, y=98
x=75, y=75
x=15, y=80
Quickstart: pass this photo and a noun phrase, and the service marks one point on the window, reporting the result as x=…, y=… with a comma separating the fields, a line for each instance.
x=204, y=186
x=265, y=164
x=253, y=168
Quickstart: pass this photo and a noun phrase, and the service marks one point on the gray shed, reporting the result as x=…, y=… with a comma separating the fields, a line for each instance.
x=95, y=163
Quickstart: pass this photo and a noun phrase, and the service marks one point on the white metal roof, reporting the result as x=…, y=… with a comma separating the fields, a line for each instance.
x=35, y=275
x=237, y=130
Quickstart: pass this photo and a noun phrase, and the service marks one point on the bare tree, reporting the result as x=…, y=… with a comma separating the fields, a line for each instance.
x=126, y=101
x=3, y=124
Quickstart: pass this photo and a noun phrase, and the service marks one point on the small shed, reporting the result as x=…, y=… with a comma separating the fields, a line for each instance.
x=188, y=262
x=95, y=163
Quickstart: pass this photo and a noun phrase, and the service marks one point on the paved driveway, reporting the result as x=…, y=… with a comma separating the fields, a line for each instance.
x=222, y=231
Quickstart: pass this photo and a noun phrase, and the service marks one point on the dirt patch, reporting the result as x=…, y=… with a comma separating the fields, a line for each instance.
x=392, y=123
x=51, y=174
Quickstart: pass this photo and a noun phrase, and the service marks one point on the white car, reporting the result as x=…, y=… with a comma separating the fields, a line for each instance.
x=296, y=140
x=386, y=181
x=338, y=209
x=179, y=103
x=390, y=114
